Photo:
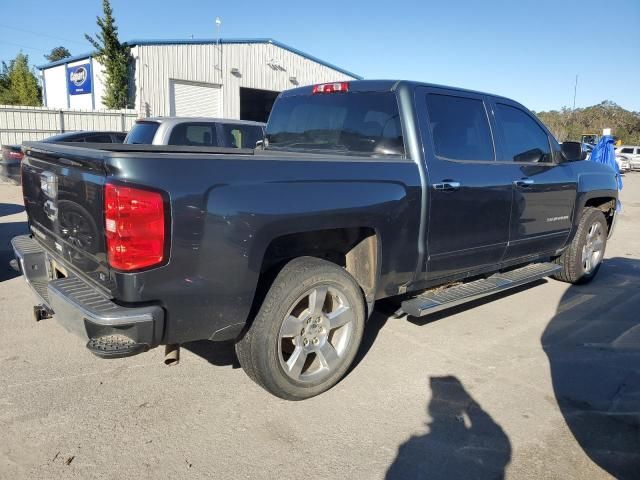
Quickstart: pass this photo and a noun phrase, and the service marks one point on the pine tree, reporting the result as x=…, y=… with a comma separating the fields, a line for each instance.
x=115, y=58
x=58, y=53
x=18, y=84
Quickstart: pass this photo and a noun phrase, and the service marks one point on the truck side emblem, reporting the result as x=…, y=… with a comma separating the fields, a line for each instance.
x=558, y=219
x=51, y=210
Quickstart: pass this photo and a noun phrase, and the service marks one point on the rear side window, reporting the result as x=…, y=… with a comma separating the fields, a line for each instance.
x=241, y=136
x=350, y=123
x=98, y=139
x=459, y=128
x=194, y=134
x=142, y=133
x=524, y=140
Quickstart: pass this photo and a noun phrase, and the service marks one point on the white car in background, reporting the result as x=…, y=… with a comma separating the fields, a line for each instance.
x=623, y=163
x=630, y=153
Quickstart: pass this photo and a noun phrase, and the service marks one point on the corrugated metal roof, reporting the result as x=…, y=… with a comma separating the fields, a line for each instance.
x=133, y=43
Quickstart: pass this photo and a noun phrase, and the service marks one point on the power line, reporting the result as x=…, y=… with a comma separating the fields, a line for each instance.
x=43, y=35
x=23, y=46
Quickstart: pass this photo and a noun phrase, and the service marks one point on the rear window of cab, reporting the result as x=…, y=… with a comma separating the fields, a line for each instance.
x=355, y=123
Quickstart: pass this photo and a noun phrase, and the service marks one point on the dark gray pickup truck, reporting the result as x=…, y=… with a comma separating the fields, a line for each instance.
x=363, y=190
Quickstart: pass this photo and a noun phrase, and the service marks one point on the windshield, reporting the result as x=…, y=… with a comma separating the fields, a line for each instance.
x=350, y=123
x=142, y=133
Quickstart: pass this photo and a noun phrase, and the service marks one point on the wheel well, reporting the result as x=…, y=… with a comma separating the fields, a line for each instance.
x=355, y=249
x=606, y=204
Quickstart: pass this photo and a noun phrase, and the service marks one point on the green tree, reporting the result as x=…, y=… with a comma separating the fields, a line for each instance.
x=568, y=124
x=18, y=84
x=115, y=58
x=58, y=53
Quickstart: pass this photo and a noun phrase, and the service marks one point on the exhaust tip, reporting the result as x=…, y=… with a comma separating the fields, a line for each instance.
x=172, y=354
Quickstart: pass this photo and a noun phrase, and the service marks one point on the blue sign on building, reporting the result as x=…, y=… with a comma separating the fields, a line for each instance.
x=79, y=79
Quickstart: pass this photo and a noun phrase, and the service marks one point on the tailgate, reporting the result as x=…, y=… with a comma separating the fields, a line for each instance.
x=63, y=195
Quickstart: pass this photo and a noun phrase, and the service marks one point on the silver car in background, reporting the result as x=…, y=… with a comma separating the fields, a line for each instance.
x=196, y=132
x=630, y=154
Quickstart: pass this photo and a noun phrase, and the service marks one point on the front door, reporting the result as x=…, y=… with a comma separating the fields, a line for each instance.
x=470, y=194
x=544, y=188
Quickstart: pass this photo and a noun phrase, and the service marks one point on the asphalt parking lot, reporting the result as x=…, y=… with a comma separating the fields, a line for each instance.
x=539, y=383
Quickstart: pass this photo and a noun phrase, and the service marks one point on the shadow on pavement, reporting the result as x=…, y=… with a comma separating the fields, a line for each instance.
x=216, y=353
x=593, y=345
x=7, y=231
x=463, y=440
x=10, y=209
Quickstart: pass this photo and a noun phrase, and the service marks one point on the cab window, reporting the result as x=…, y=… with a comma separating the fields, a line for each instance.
x=460, y=128
x=524, y=140
x=194, y=134
x=241, y=136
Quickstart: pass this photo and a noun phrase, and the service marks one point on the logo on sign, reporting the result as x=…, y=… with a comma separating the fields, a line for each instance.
x=78, y=76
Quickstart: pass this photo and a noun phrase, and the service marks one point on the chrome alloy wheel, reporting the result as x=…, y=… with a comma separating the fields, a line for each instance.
x=315, y=334
x=593, y=250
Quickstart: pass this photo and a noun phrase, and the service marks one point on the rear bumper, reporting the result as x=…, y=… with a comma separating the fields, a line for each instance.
x=82, y=308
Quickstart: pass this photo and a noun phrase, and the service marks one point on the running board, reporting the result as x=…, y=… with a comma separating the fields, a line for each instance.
x=436, y=300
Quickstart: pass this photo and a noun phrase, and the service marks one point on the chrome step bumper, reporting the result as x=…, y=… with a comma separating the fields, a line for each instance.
x=82, y=308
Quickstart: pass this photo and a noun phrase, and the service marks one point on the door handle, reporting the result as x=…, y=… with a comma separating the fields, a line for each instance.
x=523, y=182
x=447, y=185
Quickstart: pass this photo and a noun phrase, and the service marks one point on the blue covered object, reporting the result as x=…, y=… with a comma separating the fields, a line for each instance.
x=604, y=152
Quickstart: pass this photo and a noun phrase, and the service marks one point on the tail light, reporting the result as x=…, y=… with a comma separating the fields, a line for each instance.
x=134, y=226
x=331, y=87
x=11, y=154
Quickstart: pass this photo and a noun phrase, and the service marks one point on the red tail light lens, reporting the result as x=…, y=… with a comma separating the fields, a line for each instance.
x=11, y=154
x=331, y=87
x=134, y=226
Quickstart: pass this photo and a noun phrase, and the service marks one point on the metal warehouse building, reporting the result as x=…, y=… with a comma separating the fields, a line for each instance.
x=215, y=78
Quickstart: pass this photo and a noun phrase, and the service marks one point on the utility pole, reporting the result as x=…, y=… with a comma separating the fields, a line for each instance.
x=218, y=23
x=575, y=91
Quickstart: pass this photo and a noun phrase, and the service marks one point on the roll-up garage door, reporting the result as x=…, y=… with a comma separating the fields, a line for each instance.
x=192, y=99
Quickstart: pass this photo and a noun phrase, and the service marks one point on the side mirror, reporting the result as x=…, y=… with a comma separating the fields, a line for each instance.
x=572, y=151
x=530, y=156
x=260, y=144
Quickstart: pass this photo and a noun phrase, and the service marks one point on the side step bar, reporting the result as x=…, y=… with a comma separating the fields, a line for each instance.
x=436, y=300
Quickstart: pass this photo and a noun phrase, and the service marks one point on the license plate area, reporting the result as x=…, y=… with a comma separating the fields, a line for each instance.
x=56, y=270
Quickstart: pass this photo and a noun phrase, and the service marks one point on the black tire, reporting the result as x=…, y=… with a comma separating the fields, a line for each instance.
x=262, y=349
x=574, y=270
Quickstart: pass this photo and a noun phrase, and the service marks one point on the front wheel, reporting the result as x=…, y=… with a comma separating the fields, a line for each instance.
x=307, y=331
x=582, y=259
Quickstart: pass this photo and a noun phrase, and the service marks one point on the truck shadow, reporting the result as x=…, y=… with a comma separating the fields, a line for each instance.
x=385, y=309
x=10, y=209
x=7, y=231
x=216, y=353
x=463, y=441
x=593, y=346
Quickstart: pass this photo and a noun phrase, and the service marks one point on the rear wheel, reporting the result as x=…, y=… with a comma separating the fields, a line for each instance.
x=582, y=259
x=307, y=331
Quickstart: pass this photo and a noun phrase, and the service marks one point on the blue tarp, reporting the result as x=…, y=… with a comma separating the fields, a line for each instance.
x=604, y=152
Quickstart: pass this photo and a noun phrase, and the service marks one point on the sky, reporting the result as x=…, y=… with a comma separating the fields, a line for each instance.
x=528, y=50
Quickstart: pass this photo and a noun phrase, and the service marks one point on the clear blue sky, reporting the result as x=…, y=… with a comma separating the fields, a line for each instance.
x=529, y=50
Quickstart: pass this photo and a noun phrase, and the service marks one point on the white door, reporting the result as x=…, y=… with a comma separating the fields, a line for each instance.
x=194, y=99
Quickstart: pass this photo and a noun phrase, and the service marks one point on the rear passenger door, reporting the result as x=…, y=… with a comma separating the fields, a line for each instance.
x=544, y=188
x=469, y=193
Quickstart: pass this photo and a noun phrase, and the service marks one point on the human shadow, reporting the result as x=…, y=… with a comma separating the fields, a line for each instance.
x=7, y=232
x=463, y=440
x=10, y=209
x=593, y=346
